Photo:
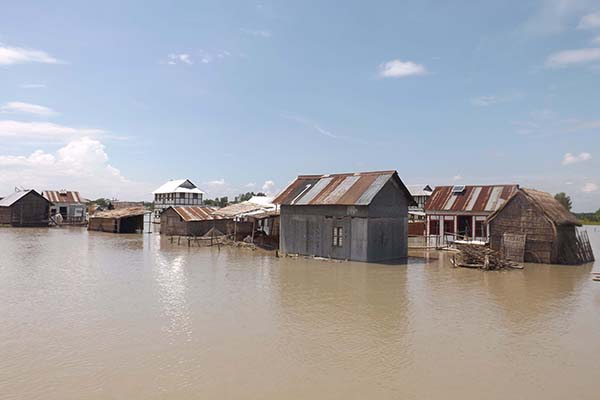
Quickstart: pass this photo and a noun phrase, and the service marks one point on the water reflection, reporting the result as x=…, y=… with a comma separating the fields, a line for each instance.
x=92, y=315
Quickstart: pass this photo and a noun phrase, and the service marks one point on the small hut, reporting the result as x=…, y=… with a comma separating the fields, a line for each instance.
x=125, y=220
x=531, y=226
x=68, y=204
x=191, y=221
x=24, y=208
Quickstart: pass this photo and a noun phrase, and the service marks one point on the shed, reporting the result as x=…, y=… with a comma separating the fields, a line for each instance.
x=24, y=208
x=68, y=204
x=355, y=216
x=125, y=220
x=460, y=211
x=532, y=226
x=191, y=221
x=256, y=215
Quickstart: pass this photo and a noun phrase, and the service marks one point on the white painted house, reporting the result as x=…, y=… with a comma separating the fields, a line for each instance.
x=178, y=192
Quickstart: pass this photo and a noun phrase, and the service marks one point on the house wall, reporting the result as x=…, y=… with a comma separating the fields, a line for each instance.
x=171, y=223
x=376, y=232
x=75, y=211
x=5, y=214
x=521, y=216
x=565, y=248
x=103, y=225
x=30, y=210
x=388, y=224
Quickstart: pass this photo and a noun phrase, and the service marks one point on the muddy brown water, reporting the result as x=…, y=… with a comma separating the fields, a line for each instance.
x=101, y=316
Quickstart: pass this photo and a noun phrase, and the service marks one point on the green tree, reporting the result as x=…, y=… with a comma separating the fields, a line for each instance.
x=563, y=199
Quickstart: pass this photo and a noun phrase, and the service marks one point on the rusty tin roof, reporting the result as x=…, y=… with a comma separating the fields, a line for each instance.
x=483, y=199
x=338, y=189
x=62, y=196
x=196, y=213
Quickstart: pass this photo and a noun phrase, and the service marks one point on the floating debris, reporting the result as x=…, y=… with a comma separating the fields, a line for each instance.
x=481, y=257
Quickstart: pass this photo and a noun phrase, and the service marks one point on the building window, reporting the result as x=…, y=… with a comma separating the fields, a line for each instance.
x=338, y=236
x=182, y=195
x=434, y=227
x=194, y=195
x=449, y=227
x=480, y=230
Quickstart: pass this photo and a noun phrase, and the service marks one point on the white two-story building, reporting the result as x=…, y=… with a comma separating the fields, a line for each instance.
x=178, y=192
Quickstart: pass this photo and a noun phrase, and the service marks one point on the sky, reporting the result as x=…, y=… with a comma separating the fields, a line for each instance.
x=114, y=98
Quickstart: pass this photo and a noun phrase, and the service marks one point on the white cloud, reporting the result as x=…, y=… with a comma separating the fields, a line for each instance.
x=574, y=159
x=554, y=16
x=596, y=40
x=489, y=100
x=185, y=58
x=589, y=188
x=43, y=131
x=250, y=185
x=81, y=164
x=27, y=108
x=19, y=55
x=257, y=32
x=590, y=21
x=32, y=85
x=573, y=57
x=267, y=187
x=458, y=178
x=400, y=69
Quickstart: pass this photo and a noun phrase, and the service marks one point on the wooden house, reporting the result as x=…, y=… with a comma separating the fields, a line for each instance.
x=24, y=208
x=355, y=216
x=125, y=220
x=68, y=204
x=192, y=221
x=179, y=192
x=532, y=226
x=459, y=212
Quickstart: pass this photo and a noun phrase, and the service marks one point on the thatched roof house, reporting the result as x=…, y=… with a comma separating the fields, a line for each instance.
x=532, y=226
x=124, y=220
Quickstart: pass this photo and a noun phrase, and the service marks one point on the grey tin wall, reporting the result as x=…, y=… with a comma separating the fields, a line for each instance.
x=376, y=232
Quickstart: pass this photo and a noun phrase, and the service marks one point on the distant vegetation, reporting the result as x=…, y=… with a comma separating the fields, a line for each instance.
x=224, y=201
x=563, y=199
x=589, y=218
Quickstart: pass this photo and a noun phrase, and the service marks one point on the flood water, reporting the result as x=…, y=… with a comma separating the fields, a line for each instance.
x=88, y=315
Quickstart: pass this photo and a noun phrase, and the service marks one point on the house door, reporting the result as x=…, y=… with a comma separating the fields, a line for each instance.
x=465, y=226
x=63, y=212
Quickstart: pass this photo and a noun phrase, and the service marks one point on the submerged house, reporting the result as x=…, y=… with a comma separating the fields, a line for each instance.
x=256, y=216
x=179, y=192
x=191, y=221
x=125, y=220
x=531, y=226
x=357, y=216
x=25, y=208
x=68, y=204
x=460, y=212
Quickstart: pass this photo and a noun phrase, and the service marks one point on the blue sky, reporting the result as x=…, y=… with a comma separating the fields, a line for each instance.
x=113, y=99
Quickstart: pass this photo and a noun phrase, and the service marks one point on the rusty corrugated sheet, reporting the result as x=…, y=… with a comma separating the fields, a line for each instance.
x=62, y=196
x=337, y=189
x=479, y=198
x=196, y=213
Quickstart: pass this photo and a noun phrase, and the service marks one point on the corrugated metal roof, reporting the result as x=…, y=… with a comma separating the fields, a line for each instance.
x=15, y=196
x=245, y=208
x=474, y=198
x=419, y=190
x=178, y=186
x=62, y=196
x=338, y=189
x=196, y=213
